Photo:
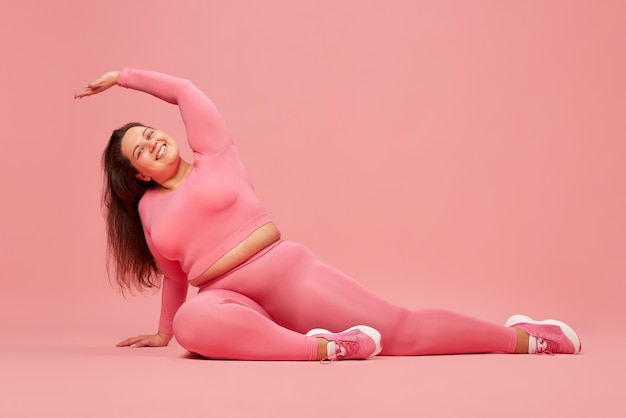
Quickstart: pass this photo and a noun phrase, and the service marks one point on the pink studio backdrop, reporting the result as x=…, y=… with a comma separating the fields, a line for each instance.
x=465, y=155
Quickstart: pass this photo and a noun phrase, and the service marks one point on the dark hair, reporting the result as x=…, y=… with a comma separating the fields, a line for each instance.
x=127, y=250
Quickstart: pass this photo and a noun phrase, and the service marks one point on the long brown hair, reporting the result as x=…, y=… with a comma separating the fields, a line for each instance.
x=127, y=250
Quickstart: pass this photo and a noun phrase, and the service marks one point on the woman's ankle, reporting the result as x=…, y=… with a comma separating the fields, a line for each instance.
x=522, y=341
x=322, y=348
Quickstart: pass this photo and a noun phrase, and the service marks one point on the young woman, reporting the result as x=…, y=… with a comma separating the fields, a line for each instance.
x=259, y=297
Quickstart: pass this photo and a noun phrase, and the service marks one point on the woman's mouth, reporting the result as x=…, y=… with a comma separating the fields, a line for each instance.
x=161, y=152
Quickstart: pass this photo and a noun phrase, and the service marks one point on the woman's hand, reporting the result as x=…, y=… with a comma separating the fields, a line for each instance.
x=155, y=340
x=105, y=81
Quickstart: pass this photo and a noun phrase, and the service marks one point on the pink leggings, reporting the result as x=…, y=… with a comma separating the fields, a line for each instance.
x=262, y=309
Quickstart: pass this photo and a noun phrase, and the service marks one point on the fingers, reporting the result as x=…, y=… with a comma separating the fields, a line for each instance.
x=141, y=341
x=127, y=342
x=94, y=87
x=84, y=93
x=89, y=89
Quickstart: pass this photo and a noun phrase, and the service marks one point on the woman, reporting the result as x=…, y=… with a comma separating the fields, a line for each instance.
x=260, y=297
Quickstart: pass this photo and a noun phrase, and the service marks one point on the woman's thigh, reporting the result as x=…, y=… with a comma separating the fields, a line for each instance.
x=300, y=292
x=224, y=324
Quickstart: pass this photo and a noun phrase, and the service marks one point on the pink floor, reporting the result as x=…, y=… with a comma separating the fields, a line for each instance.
x=78, y=374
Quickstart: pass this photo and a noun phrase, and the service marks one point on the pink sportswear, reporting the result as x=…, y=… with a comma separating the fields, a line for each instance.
x=262, y=309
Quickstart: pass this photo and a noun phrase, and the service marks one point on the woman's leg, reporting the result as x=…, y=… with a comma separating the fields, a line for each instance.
x=227, y=325
x=300, y=293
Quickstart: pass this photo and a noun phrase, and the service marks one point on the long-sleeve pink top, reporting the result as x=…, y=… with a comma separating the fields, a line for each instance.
x=214, y=209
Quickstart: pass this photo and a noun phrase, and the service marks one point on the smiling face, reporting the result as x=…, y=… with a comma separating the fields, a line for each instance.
x=154, y=154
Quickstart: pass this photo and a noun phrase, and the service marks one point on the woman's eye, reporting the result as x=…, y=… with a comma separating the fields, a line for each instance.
x=150, y=134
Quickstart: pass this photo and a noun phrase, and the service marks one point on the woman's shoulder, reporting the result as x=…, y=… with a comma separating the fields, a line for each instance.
x=145, y=202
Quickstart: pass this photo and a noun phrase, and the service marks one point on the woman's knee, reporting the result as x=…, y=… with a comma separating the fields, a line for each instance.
x=191, y=322
x=207, y=317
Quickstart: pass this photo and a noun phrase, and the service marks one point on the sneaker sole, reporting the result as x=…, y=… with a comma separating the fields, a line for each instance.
x=369, y=331
x=567, y=330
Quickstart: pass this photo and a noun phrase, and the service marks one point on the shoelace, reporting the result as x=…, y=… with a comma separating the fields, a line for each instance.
x=343, y=350
x=548, y=347
x=346, y=349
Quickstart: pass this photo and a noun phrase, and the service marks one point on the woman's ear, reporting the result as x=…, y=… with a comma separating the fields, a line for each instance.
x=142, y=177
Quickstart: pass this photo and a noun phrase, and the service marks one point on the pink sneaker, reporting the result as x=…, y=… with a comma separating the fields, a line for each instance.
x=549, y=336
x=359, y=342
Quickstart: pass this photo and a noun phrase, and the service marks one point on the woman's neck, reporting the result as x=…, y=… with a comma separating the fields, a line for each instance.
x=175, y=181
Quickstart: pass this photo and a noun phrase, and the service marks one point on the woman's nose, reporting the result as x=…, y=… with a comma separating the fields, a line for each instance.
x=151, y=144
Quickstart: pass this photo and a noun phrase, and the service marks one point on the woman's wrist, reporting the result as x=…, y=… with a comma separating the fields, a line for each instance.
x=165, y=336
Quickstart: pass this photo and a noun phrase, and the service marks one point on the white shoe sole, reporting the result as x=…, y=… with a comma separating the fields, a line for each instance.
x=567, y=330
x=369, y=331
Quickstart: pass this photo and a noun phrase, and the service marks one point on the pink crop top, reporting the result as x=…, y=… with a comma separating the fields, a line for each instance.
x=215, y=208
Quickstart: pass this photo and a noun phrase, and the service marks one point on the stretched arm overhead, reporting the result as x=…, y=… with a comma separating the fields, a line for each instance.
x=206, y=130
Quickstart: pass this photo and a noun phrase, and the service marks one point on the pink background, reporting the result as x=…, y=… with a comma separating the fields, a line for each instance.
x=458, y=154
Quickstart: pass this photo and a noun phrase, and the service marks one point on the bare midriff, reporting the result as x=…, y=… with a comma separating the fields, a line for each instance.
x=261, y=238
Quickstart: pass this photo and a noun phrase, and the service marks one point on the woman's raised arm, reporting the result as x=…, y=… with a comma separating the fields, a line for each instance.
x=206, y=130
